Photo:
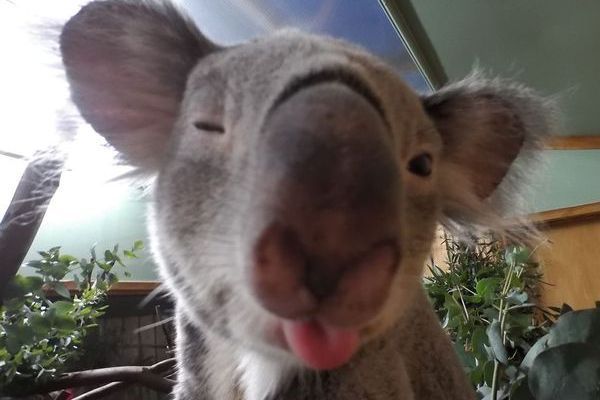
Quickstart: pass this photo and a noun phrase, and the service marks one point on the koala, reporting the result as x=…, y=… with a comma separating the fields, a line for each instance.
x=299, y=182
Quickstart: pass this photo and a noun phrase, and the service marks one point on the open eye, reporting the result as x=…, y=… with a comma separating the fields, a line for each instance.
x=209, y=127
x=421, y=165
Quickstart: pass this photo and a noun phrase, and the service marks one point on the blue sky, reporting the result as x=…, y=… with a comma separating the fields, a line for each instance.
x=359, y=21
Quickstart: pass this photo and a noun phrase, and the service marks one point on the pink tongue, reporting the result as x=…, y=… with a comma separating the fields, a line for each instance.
x=320, y=346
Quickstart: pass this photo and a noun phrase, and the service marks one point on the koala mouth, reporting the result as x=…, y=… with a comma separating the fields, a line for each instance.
x=320, y=346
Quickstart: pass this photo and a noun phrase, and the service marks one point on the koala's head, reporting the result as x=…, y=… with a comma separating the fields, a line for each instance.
x=299, y=179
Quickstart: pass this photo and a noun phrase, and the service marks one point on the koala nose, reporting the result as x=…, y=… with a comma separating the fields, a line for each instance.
x=329, y=204
x=293, y=282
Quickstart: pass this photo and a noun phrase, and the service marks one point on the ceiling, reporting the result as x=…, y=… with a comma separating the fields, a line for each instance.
x=547, y=44
x=552, y=45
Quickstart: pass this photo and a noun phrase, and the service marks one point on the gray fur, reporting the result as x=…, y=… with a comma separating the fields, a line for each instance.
x=196, y=115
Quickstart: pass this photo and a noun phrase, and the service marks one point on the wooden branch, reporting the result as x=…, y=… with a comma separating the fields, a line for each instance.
x=573, y=143
x=567, y=214
x=165, y=367
x=150, y=377
x=102, y=391
x=26, y=211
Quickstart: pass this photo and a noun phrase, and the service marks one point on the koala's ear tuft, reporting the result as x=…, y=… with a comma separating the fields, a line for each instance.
x=485, y=125
x=127, y=63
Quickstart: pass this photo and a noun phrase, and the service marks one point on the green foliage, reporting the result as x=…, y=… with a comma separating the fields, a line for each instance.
x=486, y=302
x=566, y=363
x=485, y=299
x=41, y=334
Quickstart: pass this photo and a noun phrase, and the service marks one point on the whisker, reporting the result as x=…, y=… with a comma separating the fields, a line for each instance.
x=153, y=325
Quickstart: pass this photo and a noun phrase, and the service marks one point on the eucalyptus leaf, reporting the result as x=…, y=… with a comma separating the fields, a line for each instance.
x=495, y=337
x=487, y=287
x=129, y=254
x=64, y=324
x=61, y=289
x=39, y=324
x=62, y=308
x=581, y=326
x=66, y=259
x=112, y=279
x=479, y=341
x=488, y=373
x=536, y=349
x=467, y=359
x=520, y=320
x=22, y=285
x=13, y=344
x=517, y=297
x=482, y=282
x=39, y=337
x=567, y=372
x=517, y=255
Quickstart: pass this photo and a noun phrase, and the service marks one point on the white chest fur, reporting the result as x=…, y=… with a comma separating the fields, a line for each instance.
x=261, y=377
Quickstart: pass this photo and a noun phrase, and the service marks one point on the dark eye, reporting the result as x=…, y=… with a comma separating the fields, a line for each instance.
x=421, y=165
x=209, y=127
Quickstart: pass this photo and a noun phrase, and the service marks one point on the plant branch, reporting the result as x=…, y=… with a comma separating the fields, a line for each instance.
x=26, y=211
x=502, y=312
x=102, y=391
x=150, y=377
x=462, y=301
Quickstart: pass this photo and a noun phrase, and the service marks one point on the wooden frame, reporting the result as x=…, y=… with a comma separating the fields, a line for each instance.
x=125, y=288
x=567, y=214
x=573, y=143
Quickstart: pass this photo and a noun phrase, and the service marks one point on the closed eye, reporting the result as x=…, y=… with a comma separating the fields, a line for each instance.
x=209, y=127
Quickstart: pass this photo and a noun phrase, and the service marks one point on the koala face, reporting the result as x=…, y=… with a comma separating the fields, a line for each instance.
x=300, y=185
x=299, y=179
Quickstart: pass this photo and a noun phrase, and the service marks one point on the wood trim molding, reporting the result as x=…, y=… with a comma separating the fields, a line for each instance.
x=567, y=214
x=125, y=288
x=573, y=143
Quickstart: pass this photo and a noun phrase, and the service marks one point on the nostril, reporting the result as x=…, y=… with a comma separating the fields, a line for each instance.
x=279, y=245
x=278, y=271
x=381, y=259
x=321, y=280
x=364, y=286
x=382, y=256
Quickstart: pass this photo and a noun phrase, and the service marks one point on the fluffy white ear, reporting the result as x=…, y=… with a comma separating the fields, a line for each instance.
x=485, y=125
x=127, y=63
